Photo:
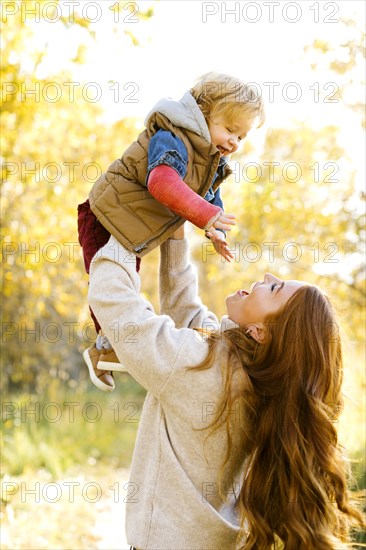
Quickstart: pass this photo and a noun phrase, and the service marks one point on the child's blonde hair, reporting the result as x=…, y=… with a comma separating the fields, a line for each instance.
x=219, y=94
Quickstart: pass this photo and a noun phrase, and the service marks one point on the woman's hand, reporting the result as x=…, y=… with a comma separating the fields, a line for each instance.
x=178, y=233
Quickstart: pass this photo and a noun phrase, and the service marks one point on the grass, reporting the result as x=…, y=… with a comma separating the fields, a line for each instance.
x=65, y=461
x=81, y=517
x=76, y=428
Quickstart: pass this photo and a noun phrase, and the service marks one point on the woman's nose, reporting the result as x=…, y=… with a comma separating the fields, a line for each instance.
x=269, y=278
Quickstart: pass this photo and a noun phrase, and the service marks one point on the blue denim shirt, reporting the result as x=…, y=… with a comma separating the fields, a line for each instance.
x=166, y=148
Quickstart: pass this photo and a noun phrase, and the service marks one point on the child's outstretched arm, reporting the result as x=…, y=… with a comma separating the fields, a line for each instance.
x=169, y=189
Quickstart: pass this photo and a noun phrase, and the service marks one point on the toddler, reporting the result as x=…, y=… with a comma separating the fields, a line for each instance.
x=171, y=173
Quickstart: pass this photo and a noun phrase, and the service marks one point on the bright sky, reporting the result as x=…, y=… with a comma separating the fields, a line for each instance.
x=260, y=42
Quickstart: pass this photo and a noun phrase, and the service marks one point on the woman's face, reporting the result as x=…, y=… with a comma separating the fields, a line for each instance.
x=265, y=297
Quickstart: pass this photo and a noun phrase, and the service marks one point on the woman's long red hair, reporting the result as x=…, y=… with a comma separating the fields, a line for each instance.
x=295, y=475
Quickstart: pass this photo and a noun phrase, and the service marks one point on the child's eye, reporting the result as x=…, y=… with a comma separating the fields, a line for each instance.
x=229, y=130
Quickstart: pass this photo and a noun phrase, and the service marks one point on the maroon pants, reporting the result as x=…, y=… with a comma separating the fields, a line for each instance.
x=92, y=236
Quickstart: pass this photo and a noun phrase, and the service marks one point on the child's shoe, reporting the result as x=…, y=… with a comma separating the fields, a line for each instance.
x=100, y=378
x=109, y=361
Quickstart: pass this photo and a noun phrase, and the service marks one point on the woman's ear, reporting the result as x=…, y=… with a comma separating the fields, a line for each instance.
x=257, y=332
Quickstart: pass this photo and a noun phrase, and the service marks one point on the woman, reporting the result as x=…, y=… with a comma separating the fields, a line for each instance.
x=236, y=447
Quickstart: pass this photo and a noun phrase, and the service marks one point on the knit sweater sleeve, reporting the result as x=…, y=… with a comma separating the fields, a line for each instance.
x=149, y=345
x=178, y=287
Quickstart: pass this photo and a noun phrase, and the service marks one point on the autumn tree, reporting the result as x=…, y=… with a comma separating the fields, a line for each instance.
x=54, y=146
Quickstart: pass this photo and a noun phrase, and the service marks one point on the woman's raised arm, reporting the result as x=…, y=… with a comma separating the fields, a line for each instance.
x=149, y=345
x=178, y=286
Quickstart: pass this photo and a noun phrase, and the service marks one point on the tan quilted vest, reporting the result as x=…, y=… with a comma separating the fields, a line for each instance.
x=122, y=203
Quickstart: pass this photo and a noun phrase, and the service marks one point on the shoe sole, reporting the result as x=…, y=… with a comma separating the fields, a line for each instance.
x=105, y=365
x=96, y=381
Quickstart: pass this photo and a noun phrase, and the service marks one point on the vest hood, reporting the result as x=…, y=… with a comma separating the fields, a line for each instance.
x=184, y=113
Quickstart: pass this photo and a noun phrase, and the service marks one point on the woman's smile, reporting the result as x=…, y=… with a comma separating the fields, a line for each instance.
x=264, y=298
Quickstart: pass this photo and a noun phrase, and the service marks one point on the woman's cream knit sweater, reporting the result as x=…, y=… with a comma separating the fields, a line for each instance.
x=175, y=501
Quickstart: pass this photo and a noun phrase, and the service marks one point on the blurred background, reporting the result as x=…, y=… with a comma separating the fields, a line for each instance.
x=78, y=79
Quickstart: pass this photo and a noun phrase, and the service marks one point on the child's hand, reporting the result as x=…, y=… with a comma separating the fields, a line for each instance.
x=220, y=244
x=224, y=222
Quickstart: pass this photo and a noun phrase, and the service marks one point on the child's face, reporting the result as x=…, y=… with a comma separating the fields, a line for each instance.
x=227, y=136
